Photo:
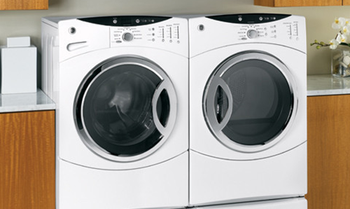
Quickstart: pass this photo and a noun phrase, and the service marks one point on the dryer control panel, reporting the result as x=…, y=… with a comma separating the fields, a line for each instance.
x=225, y=30
x=288, y=29
x=253, y=26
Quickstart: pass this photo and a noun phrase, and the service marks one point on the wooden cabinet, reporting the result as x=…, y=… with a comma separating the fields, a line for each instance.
x=295, y=3
x=24, y=4
x=27, y=160
x=329, y=152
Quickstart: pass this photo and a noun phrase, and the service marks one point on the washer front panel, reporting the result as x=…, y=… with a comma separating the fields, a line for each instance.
x=125, y=108
x=249, y=101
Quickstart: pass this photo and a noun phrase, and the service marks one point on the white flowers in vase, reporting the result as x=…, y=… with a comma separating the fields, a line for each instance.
x=340, y=57
x=342, y=25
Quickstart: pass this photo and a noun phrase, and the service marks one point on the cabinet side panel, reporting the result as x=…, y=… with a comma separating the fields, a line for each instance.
x=328, y=152
x=27, y=159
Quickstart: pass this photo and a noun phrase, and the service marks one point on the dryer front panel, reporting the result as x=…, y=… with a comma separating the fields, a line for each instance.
x=249, y=101
x=125, y=108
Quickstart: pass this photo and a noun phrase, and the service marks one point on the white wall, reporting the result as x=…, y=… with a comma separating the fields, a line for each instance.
x=319, y=19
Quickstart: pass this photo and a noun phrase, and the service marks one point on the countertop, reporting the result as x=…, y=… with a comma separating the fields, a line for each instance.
x=25, y=102
x=321, y=85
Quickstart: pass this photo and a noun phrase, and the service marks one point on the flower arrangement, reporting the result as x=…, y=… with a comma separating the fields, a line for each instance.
x=342, y=25
x=340, y=57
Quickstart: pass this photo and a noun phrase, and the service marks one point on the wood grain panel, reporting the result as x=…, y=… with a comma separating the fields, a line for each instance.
x=27, y=160
x=24, y=4
x=293, y=3
x=346, y=2
x=329, y=152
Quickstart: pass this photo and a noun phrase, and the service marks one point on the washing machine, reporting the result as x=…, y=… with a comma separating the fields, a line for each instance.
x=294, y=203
x=121, y=92
x=247, y=108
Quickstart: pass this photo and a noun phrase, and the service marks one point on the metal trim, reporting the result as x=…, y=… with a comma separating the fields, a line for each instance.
x=165, y=84
x=215, y=78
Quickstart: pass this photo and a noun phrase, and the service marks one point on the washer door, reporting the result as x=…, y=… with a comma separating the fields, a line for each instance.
x=249, y=101
x=125, y=108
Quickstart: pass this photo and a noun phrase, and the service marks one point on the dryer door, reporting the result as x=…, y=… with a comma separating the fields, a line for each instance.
x=125, y=108
x=249, y=101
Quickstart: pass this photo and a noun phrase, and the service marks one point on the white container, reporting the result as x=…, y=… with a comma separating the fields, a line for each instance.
x=18, y=70
x=18, y=41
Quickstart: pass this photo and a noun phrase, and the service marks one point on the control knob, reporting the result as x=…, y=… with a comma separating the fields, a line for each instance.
x=252, y=33
x=128, y=36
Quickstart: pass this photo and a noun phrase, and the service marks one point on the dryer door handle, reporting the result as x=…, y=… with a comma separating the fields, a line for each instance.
x=217, y=114
x=164, y=107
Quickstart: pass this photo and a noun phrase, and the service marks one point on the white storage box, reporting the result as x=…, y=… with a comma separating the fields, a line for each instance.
x=18, y=70
x=18, y=41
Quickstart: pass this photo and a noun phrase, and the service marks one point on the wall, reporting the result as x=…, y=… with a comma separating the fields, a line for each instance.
x=319, y=19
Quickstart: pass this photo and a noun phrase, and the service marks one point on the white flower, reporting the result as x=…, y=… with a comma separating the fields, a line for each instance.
x=341, y=38
x=347, y=22
x=333, y=44
x=339, y=23
x=346, y=30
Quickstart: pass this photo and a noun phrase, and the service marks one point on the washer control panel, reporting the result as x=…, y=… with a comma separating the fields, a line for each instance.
x=155, y=33
x=143, y=30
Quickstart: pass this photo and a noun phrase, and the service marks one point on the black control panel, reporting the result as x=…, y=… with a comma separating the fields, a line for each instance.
x=124, y=20
x=249, y=18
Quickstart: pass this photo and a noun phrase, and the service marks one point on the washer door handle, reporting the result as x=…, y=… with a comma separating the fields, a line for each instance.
x=76, y=45
x=164, y=93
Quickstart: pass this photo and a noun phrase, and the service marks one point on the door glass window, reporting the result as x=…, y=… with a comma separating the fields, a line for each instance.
x=115, y=110
x=253, y=101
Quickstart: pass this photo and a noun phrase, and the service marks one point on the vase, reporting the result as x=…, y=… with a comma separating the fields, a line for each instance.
x=340, y=61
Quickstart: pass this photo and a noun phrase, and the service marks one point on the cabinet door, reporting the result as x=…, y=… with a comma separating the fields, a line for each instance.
x=346, y=2
x=292, y=3
x=27, y=160
x=24, y=4
x=328, y=152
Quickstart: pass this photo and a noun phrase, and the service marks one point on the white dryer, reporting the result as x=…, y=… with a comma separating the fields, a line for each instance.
x=294, y=203
x=121, y=90
x=247, y=108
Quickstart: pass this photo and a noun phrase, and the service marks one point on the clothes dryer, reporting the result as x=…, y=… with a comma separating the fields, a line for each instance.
x=121, y=92
x=247, y=108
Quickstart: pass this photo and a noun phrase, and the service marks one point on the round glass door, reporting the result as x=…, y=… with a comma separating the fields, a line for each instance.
x=125, y=108
x=249, y=101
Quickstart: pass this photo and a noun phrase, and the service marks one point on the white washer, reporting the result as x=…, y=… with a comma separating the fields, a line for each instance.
x=247, y=108
x=121, y=90
x=295, y=203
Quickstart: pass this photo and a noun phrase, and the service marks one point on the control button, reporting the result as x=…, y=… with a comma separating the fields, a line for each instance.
x=72, y=30
x=252, y=34
x=200, y=27
x=127, y=37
